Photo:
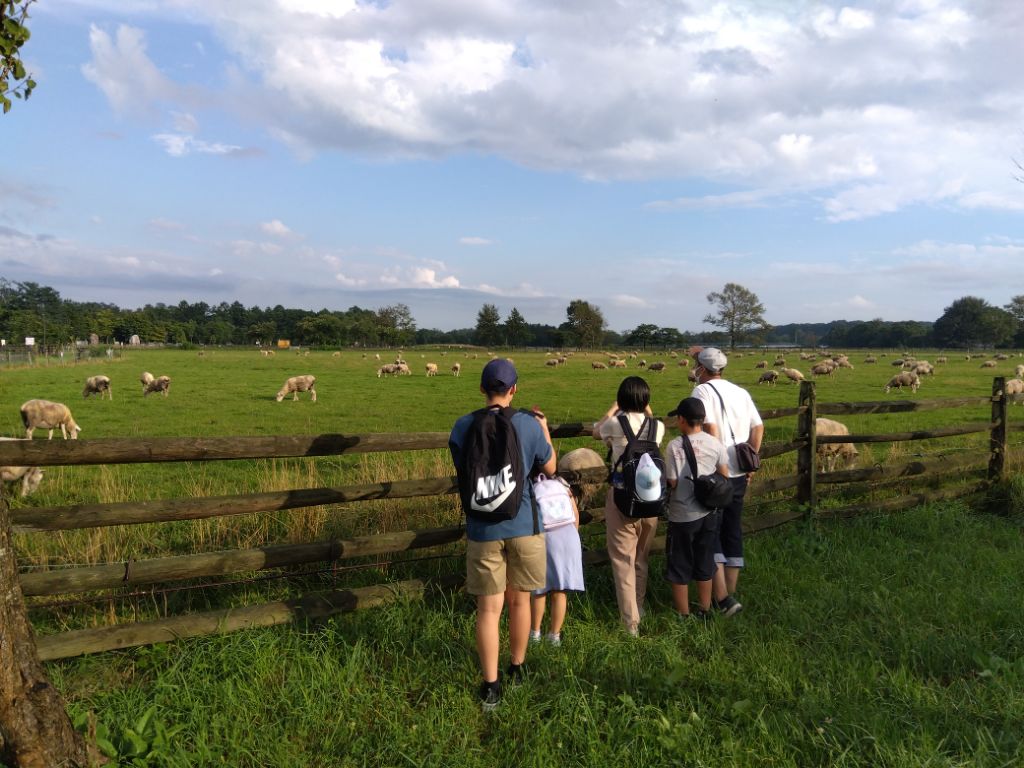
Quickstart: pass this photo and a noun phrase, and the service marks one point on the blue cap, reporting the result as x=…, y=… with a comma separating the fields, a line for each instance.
x=499, y=375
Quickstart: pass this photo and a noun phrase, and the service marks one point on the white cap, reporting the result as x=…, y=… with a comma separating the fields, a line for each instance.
x=648, y=482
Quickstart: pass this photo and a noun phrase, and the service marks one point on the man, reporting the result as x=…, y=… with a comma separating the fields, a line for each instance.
x=732, y=417
x=507, y=558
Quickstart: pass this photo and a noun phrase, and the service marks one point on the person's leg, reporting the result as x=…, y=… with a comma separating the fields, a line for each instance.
x=647, y=528
x=732, y=577
x=518, y=625
x=488, y=618
x=681, y=599
x=704, y=594
x=732, y=534
x=537, y=605
x=559, y=606
x=621, y=541
x=720, y=589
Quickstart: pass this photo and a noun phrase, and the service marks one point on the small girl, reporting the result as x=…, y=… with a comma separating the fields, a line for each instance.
x=565, y=557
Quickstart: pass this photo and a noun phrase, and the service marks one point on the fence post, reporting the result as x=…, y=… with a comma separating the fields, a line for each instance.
x=997, y=442
x=807, y=489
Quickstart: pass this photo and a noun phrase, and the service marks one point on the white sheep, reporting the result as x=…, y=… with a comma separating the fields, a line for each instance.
x=456, y=369
x=988, y=364
x=98, y=385
x=47, y=415
x=403, y=369
x=762, y=363
x=30, y=477
x=431, y=369
x=296, y=384
x=870, y=359
x=904, y=379
x=147, y=378
x=552, y=362
x=792, y=374
x=1015, y=387
x=823, y=368
x=830, y=454
x=618, y=363
x=923, y=368
x=161, y=384
x=1020, y=372
x=598, y=366
x=942, y=359
x=388, y=369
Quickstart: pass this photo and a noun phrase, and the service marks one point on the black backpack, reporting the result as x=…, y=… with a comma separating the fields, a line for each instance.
x=491, y=476
x=644, y=441
x=712, y=491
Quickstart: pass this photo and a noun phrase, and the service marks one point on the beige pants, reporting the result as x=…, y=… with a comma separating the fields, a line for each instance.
x=629, y=544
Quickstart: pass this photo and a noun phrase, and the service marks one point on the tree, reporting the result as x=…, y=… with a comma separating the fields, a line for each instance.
x=971, y=321
x=396, y=325
x=517, y=333
x=585, y=323
x=13, y=35
x=740, y=313
x=488, y=326
x=642, y=335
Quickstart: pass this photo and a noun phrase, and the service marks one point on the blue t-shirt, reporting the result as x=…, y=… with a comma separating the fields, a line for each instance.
x=535, y=451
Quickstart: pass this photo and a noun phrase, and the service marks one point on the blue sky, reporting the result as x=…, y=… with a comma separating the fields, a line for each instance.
x=841, y=161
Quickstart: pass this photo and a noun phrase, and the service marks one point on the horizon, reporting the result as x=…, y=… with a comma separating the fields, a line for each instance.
x=854, y=161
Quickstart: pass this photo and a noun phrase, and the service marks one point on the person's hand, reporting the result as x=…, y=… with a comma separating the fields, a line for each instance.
x=613, y=410
x=539, y=415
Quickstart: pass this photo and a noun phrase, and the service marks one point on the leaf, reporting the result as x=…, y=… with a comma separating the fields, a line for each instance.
x=106, y=747
x=19, y=70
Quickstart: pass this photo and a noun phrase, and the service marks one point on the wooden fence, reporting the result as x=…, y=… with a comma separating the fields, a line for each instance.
x=981, y=468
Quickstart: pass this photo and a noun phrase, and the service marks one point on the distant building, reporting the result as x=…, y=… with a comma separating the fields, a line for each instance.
x=135, y=340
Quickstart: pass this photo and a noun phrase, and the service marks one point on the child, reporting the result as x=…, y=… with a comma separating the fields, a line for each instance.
x=565, y=558
x=692, y=528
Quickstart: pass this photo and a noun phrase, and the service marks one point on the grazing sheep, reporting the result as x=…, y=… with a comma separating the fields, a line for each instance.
x=146, y=378
x=904, y=379
x=296, y=384
x=403, y=369
x=618, y=363
x=641, y=364
x=160, y=384
x=685, y=362
x=1015, y=387
x=942, y=359
x=98, y=385
x=843, y=362
x=456, y=369
x=870, y=359
x=761, y=364
x=823, y=369
x=431, y=369
x=1002, y=356
x=780, y=362
x=988, y=364
x=552, y=362
x=658, y=367
x=897, y=363
x=830, y=454
x=46, y=415
x=923, y=368
x=388, y=369
x=792, y=374
x=30, y=477
x=377, y=356
x=768, y=377
x=335, y=354
x=598, y=366
x=1020, y=372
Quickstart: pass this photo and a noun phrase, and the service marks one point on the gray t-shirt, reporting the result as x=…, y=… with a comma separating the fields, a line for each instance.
x=710, y=454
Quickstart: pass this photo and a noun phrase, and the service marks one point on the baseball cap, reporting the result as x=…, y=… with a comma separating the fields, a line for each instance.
x=690, y=408
x=712, y=359
x=648, y=482
x=498, y=375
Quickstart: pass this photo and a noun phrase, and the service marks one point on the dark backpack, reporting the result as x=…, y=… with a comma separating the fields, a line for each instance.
x=712, y=491
x=644, y=441
x=491, y=476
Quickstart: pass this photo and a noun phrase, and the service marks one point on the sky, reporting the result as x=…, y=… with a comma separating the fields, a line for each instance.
x=840, y=161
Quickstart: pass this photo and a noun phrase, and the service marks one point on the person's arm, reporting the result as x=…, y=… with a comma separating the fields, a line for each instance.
x=723, y=469
x=551, y=465
x=756, y=435
x=596, y=432
x=712, y=429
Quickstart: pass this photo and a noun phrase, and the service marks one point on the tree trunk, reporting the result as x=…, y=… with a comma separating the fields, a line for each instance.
x=35, y=731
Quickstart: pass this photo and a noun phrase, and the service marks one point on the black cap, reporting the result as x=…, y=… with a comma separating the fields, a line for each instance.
x=690, y=408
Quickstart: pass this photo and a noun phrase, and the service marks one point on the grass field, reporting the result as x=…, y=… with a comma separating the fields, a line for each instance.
x=884, y=641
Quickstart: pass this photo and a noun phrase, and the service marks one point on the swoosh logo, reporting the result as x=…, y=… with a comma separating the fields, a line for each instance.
x=489, y=505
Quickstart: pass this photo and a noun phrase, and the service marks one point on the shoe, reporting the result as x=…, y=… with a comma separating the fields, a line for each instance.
x=514, y=675
x=730, y=606
x=554, y=639
x=534, y=637
x=490, y=695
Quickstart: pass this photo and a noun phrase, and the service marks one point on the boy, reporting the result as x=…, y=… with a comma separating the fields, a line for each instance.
x=692, y=528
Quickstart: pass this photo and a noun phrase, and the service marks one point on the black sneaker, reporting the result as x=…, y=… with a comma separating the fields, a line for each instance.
x=490, y=695
x=514, y=675
x=730, y=606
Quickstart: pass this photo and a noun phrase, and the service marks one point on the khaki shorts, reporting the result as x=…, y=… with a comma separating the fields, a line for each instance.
x=520, y=563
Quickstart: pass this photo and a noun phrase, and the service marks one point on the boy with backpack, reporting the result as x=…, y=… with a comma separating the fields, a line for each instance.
x=692, y=537
x=495, y=449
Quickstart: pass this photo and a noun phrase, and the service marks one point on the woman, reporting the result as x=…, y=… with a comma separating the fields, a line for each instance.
x=628, y=540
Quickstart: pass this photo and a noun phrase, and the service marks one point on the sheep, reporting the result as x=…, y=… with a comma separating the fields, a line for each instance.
x=768, y=377
x=1015, y=387
x=403, y=369
x=598, y=366
x=1020, y=372
x=30, y=477
x=842, y=362
x=1002, y=356
x=160, y=384
x=431, y=369
x=552, y=362
x=942, y=359
x=923, y=368
x=98, y=385
x=830, y=454
x=146, y=378
x=780, y=362
x=296, y=384
x=43, y=413
x=904, y=379
x=456, y=369
x=870, y=359
x=388, y=369
x=898, y=363
x=761, y=364
x=377, y=356
x=685, y=362
x=335, y=354
x=823, y=369
x=988, y=364
x=618, y=363
x=793, y=374
x=641, y=364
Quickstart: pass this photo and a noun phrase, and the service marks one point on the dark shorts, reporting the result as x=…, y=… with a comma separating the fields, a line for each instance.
x=690, y=549
x=730, y=550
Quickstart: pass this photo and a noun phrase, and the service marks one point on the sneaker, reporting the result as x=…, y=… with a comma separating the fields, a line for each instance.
x=534, y=636
x=515, y=674
x=730, y=606
x=554, y=639
x=490, y=695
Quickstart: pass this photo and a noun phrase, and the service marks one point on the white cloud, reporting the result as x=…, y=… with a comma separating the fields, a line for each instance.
x=275, y=227
x=167, y=225
x=630, y=302
x=754, y=198
x=182, y=144
x=475, y=241
x=423, y=277
x=121, y=68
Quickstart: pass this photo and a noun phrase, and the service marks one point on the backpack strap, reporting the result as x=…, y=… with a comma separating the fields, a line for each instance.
x=631, y=437
x=691, y=459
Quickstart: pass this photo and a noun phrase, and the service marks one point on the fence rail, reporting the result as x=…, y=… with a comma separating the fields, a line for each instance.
x=161, y=570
